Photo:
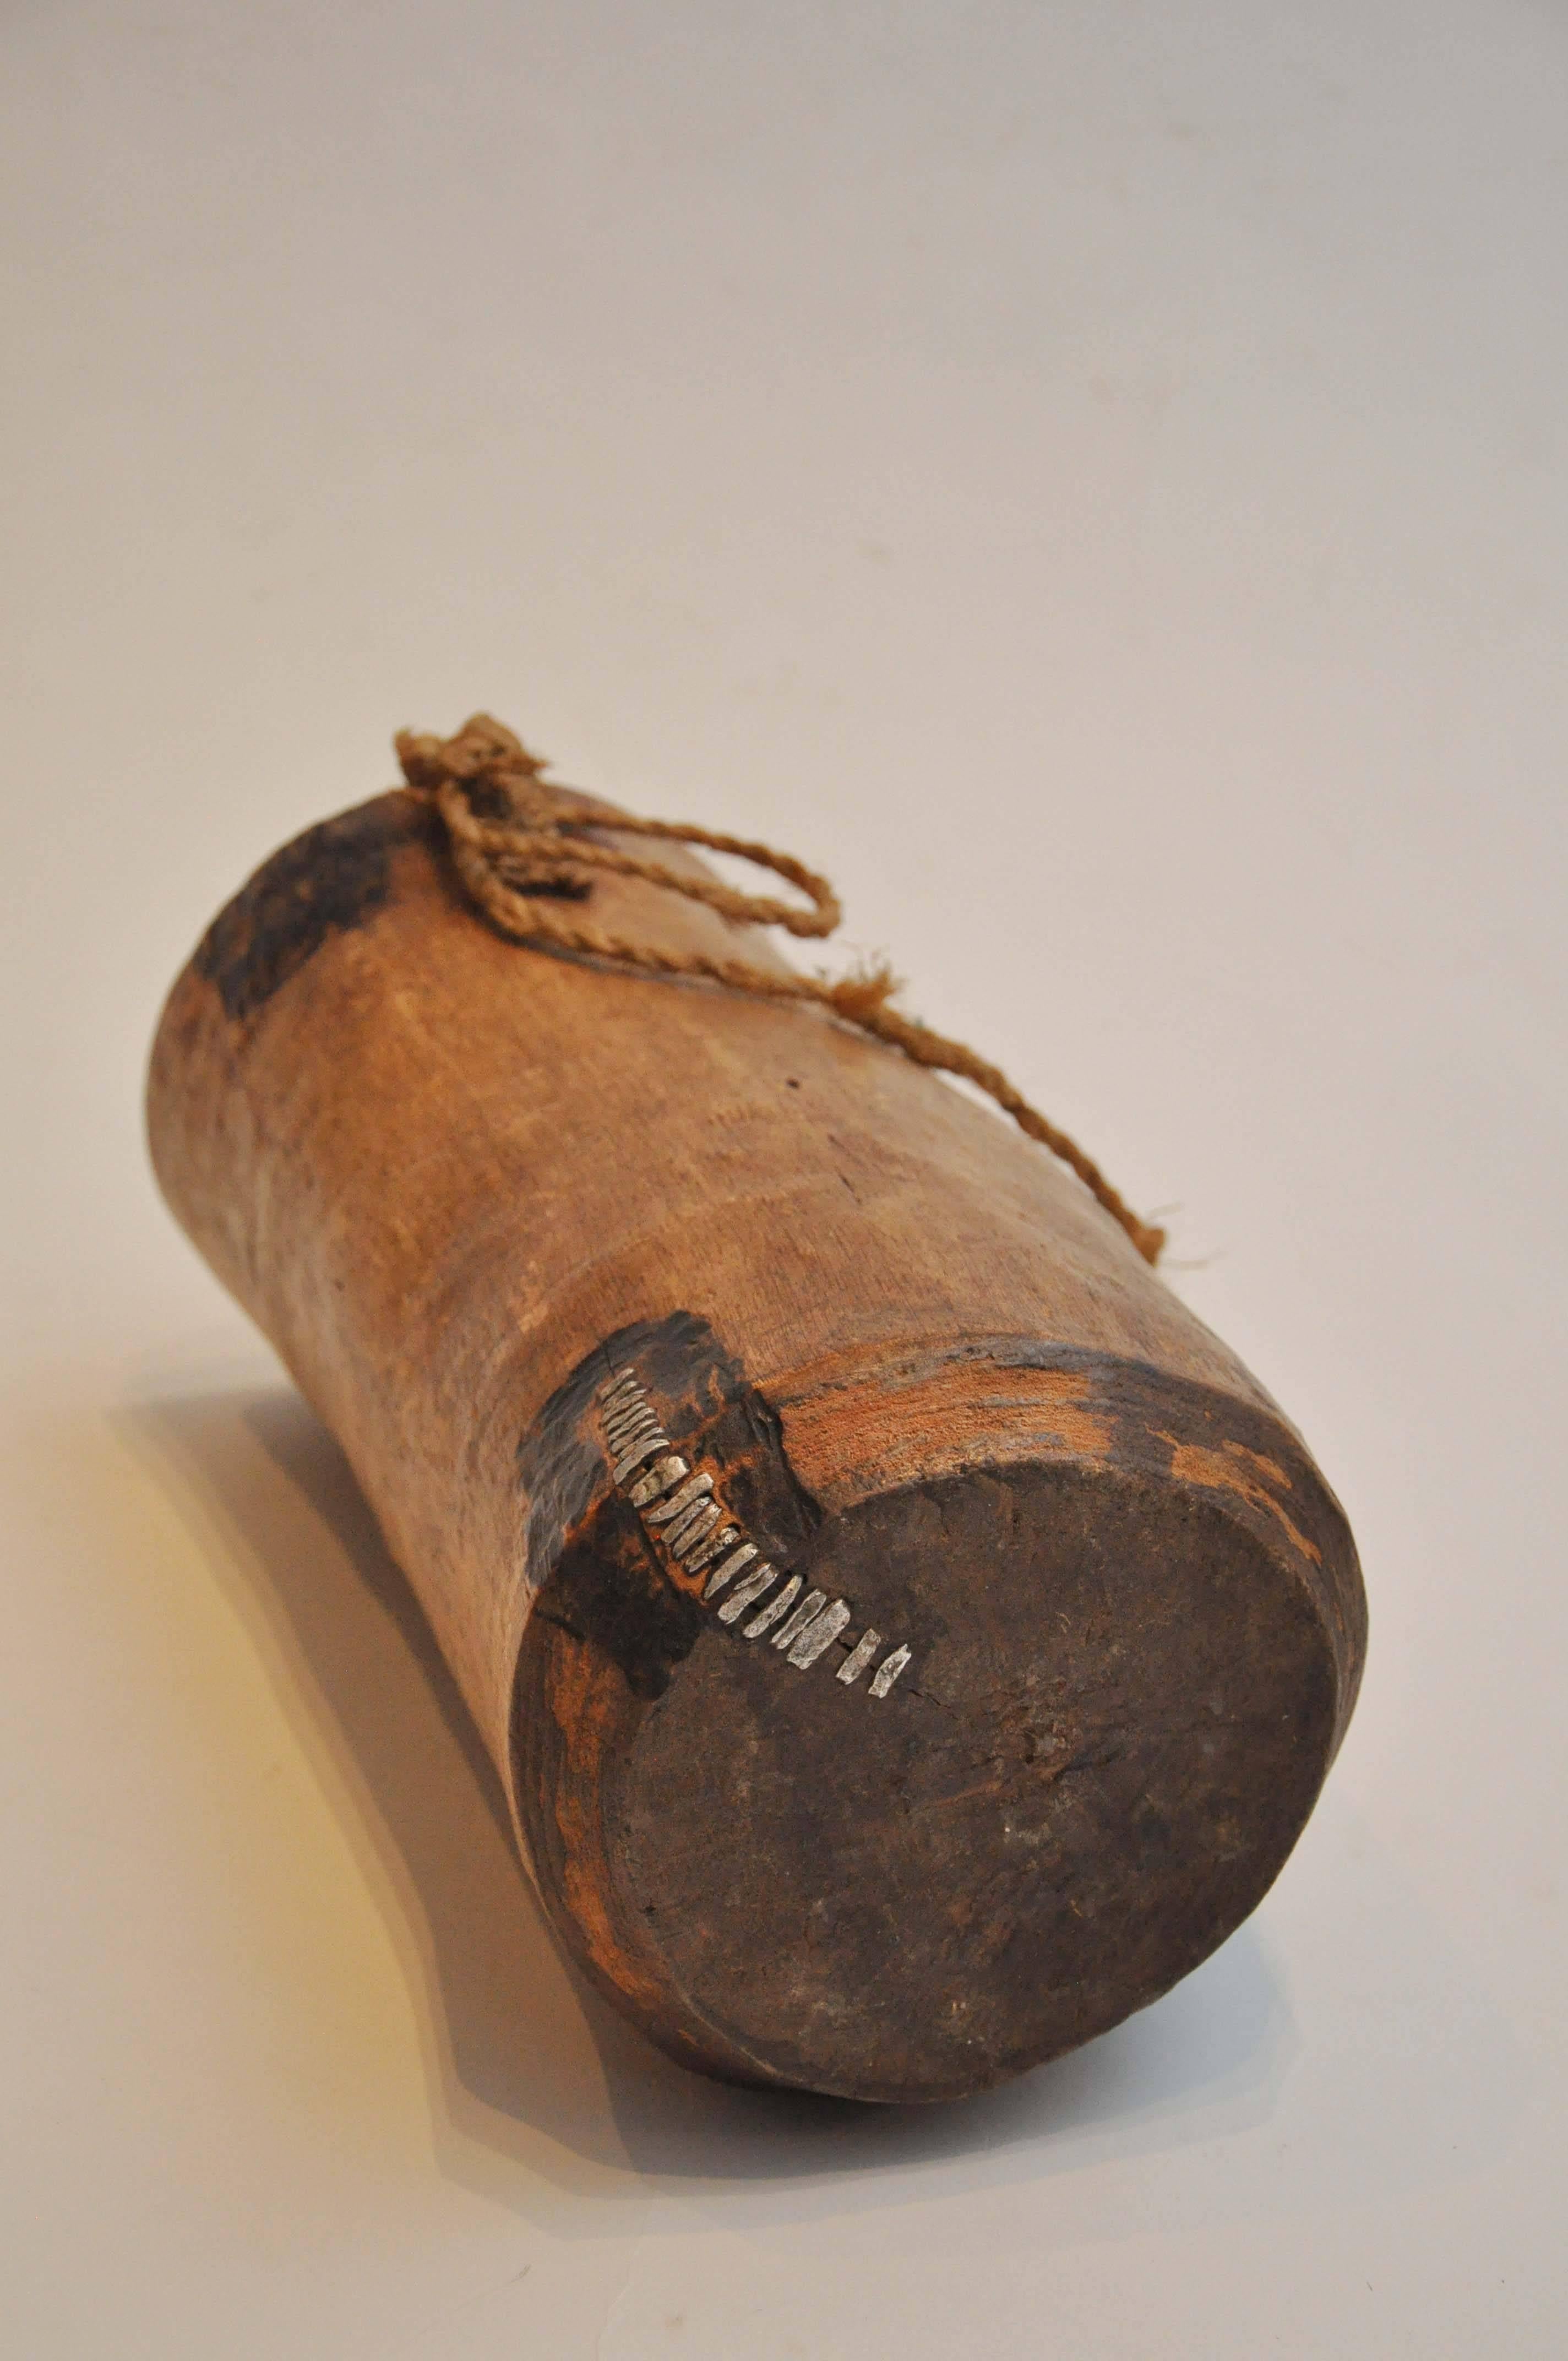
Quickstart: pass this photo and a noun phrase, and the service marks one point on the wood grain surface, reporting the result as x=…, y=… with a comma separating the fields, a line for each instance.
x=1096, y=1620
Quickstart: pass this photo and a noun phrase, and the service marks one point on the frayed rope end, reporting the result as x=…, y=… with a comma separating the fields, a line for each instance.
x=863, y=993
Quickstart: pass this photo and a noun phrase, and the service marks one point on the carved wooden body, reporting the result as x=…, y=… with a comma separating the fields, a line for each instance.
x=909, y=1639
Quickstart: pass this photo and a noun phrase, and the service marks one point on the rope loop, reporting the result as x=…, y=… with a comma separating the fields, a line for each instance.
x=492, y=795
x=526, y=858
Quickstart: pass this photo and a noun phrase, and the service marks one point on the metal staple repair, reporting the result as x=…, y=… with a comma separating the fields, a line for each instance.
x=685, y=1515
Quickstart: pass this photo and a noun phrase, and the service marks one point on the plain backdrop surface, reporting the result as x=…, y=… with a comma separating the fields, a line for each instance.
x=1093, y=477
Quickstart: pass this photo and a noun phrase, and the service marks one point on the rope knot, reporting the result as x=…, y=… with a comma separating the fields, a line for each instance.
x=516, y=842
x=500, y=814
x=482, y=745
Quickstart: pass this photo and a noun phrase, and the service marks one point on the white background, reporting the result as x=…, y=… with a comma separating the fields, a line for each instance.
x=1093, y=475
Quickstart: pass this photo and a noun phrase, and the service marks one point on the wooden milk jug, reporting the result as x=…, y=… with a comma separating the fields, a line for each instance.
x=908, y=1639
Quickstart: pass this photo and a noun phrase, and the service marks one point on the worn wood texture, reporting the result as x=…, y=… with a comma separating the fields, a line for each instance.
x=1089, y=1622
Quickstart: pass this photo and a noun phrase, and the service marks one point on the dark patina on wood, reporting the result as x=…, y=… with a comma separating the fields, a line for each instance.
x=327, y=881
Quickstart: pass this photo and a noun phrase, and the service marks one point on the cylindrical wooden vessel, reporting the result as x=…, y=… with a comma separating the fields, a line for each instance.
x=908, y=1639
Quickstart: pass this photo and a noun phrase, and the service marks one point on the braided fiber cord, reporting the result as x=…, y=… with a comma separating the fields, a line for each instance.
x=526, y=861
